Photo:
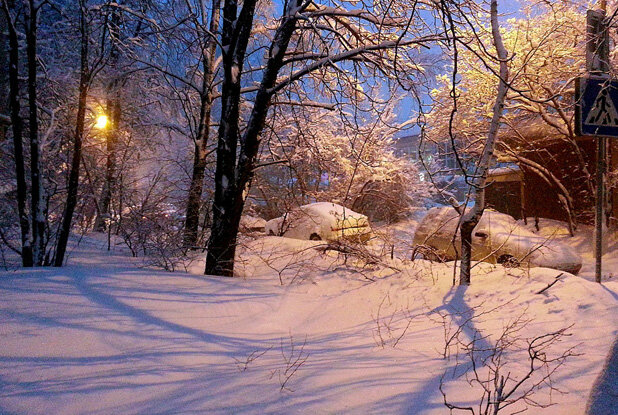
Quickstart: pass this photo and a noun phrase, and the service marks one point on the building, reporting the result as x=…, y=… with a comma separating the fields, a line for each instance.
x=551, y=176
x=439, y=157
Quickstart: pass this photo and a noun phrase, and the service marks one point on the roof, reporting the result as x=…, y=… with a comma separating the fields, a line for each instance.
x=532, y=129
x=505, y=173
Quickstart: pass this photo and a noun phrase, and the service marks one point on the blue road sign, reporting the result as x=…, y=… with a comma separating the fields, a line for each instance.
x=596, y=113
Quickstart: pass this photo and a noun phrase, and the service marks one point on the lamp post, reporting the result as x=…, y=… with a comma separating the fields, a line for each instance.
x=105, y=124
x=103, y=221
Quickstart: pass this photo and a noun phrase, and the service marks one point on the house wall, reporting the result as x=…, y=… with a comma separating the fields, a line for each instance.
x=540, y=198
x=562, y=159
x=506, y=197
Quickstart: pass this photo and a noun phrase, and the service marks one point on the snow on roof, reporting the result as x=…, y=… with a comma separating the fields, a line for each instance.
x=532, y=129
x=498, y=171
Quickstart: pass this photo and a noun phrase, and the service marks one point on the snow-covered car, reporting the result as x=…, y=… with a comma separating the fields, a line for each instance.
x=250, y=223
x=320, y=221
x=497, y=238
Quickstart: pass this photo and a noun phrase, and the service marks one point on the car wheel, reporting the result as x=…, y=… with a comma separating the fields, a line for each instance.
x=508, y=261
x=315, y=237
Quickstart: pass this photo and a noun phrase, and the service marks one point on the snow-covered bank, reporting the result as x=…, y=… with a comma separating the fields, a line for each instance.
x=104, y=336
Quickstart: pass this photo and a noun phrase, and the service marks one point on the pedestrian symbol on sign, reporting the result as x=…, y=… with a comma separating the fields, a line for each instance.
x=596, y=106
x=603, y=112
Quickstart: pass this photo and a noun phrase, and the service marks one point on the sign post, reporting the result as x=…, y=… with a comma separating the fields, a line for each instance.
x=596, y=112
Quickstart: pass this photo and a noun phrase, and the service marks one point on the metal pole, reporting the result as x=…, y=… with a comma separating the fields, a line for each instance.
x=600, y=207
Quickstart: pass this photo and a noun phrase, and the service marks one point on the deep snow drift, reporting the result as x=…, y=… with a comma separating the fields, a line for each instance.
x=304, y=331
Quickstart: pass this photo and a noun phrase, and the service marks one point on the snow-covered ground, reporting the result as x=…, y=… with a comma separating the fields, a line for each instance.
x=302, y=331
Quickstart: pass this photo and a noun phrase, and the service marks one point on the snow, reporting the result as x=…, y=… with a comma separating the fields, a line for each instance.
x=252, y=223
x=502, y=236
x=327, y=220
x=497, y=171
x=104, y=335
x=234, y=73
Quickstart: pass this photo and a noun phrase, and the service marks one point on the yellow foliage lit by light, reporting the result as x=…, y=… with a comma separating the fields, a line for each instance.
x=102, y=122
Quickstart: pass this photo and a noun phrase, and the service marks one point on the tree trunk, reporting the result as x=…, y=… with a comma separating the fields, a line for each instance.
x=17, y=129
x=4, y=73
x=113, y=113
x=192, y=217
x=71, y=202
x=37, y=199
x=466, y=249
x=231, y=181
x=471, y=218
x=234, y=39
x=194, y=199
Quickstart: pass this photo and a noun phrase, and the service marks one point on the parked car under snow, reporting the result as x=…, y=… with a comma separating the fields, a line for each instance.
x=497, y=238
x=320, y=221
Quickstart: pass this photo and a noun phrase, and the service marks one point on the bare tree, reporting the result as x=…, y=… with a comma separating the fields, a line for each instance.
x=546, y=56
x=454, y=19
x=113, y=112
x=36, y=173
x=471, y=218
x=86, y=75
x=17, y=129
x=188, y=81
x=203, y=132
x=509, y=371
x=322, y=37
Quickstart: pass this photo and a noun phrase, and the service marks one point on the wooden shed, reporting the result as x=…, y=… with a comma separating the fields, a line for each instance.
x=505, y=192
x=554, y=177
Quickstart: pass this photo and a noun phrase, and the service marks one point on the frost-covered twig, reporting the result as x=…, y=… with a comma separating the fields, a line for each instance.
x=254, y=355
x=292, y=361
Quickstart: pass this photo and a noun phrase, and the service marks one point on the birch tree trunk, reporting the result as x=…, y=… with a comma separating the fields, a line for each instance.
x=472, y=216
x=17, y=130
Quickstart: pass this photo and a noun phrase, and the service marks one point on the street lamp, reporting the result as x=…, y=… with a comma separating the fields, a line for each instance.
x=101, y=122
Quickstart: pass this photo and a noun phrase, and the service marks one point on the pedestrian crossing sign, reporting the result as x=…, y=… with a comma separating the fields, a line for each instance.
x=596, y=103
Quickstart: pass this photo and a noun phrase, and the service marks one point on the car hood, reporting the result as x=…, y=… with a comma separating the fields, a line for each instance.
x=539, y=251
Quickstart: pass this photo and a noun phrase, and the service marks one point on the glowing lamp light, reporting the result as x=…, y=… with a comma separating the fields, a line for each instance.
x=102, y=122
